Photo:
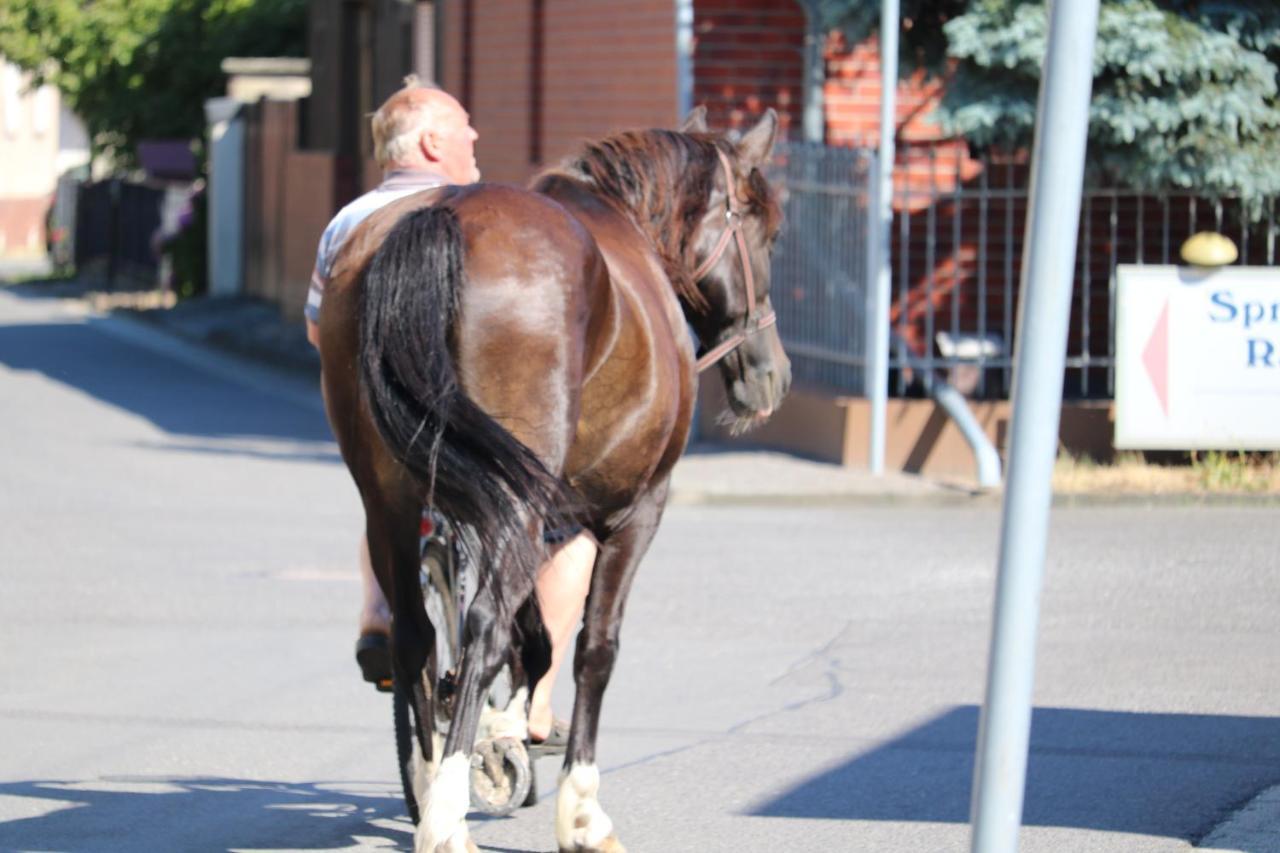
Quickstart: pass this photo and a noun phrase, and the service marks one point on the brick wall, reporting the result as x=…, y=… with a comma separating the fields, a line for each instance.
x=607, y=65
x=452, y=47
x=22, y=230
x=500, y=87
x=748, y=56
x=852, y=96
x=288, y=201
x=610, y=65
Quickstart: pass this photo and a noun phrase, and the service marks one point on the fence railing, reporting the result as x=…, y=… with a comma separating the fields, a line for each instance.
x=819, y=276
x=957, y=253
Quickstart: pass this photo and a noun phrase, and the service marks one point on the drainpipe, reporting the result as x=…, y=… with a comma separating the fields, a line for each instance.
x=985, y=456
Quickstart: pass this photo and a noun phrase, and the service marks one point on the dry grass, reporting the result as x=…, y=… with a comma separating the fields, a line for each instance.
x=1213, y=472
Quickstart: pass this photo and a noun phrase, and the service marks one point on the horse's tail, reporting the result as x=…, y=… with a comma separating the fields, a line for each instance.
x=471, y=468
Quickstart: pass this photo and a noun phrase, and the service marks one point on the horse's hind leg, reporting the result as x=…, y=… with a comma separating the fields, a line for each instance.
x=581, y=824
x=487, y=645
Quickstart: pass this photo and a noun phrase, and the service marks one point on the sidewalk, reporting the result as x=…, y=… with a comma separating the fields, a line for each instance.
x=247, y=336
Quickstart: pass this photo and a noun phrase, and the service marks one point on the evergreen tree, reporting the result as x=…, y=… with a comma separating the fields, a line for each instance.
x=1186, y=94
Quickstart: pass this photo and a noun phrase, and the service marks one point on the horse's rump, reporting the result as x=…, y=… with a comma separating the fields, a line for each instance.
x=472, y=314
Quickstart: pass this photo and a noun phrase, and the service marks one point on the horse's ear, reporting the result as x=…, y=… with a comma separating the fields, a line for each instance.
x=695, y=121
x=756, y=146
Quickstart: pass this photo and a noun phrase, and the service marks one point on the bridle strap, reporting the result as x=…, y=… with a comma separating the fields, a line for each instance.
x=723, y=243
x=732, y=342
x=733, y=230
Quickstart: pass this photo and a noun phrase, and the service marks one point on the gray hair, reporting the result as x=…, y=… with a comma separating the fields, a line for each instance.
x=397, y=125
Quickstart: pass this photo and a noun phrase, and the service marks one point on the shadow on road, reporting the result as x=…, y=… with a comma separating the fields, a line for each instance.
x=123, y=814
x=1149, y=774
x=164, y=813
x=175, y=397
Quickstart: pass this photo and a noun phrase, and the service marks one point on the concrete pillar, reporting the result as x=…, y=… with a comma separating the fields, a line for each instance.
x=226, y=195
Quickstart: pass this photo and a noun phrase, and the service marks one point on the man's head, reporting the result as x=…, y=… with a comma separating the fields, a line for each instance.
x=424, y=128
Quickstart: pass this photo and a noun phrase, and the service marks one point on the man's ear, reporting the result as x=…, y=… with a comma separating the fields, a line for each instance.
x=695, y=121
x=756, y=146
x=429, y=145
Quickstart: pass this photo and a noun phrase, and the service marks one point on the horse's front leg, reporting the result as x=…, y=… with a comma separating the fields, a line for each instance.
x=443, y=828
x=581, y=823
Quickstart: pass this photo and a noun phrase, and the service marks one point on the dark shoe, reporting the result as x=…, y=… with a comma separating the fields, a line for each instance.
x=373, y=654
x=555, y=743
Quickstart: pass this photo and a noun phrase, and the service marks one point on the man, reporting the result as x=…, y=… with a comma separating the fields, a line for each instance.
x=422, y=138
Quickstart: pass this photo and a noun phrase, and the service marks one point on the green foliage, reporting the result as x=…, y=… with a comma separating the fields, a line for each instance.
x=138, y=69
x=188, y=250
x=1186, y=94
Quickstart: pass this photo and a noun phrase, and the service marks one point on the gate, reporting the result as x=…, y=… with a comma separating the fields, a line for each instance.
x=116, y=222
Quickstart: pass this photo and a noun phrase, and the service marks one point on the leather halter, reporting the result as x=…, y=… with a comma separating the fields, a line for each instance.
x=733, y=229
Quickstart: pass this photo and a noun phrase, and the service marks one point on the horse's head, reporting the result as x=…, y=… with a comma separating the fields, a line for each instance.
x=731, y=247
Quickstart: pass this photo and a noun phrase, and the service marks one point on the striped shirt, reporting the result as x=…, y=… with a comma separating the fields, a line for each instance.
x=396, y=184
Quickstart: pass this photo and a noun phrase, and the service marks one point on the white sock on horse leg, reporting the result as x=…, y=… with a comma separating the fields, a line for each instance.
x=580, y=822
x=443, y=827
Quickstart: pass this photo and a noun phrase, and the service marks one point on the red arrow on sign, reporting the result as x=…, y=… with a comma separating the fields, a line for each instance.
x=1155, y=357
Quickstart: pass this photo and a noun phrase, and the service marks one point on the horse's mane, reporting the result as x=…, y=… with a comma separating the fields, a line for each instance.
x=663, y=180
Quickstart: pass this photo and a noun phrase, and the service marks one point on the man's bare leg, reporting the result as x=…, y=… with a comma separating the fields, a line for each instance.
x=375, y=613
x=562, y=589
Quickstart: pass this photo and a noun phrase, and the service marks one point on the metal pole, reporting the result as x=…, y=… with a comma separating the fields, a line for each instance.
x=1057, y=176
x=882, y=224
x=684, y=58
x=815, y=74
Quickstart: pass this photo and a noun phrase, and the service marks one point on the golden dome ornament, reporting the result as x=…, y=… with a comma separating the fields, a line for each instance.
x=1209, y=249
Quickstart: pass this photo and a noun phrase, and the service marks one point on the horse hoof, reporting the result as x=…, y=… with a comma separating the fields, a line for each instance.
x=608, y=845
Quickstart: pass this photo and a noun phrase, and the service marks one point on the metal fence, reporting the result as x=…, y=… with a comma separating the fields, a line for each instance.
x=957, y=253
x=115, y=223
x=819, y=276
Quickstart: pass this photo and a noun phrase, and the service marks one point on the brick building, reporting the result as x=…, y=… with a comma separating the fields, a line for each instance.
x=39, y=140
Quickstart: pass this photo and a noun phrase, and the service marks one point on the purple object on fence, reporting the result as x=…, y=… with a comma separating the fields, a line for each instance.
x=167, y=158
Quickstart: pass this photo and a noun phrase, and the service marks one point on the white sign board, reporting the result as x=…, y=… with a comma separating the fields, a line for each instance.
x=1197, y=358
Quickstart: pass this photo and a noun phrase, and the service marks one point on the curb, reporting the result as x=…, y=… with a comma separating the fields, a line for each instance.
x=1253, y=829
x=864, y=499
x=1176, y=499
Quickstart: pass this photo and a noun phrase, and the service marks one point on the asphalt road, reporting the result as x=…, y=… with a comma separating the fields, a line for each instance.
x=178, y=601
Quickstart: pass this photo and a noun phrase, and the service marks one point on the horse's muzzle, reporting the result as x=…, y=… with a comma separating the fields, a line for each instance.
x=757, y=392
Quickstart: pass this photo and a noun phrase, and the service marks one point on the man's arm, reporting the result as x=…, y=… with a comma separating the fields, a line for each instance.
x=319, y=278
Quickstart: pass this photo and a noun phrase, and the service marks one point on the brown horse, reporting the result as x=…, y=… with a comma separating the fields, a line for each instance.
x=520, y=360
